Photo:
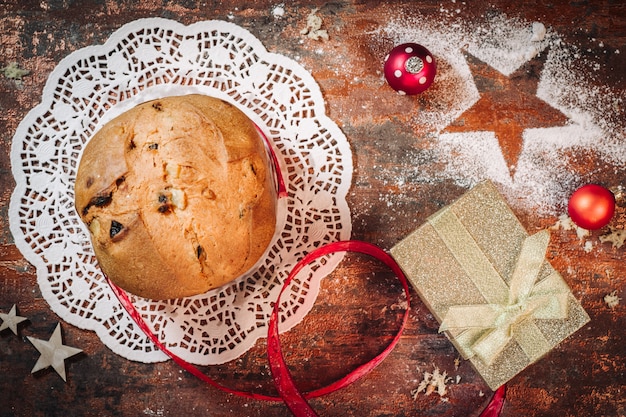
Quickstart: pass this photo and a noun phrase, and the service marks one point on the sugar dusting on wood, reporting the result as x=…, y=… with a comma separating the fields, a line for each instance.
x=543, y=177
x=565, y=223
x=278, y=11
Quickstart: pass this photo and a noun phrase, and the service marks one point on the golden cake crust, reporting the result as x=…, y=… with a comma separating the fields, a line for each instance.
x=178, y=196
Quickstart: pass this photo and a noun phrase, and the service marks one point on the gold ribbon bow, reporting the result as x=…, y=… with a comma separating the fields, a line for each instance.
x=510, y=311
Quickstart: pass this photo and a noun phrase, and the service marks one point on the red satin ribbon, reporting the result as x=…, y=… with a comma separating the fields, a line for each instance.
x=126, y=302
x=281, y=189
x=287, y=389
x=289, y=393
x=295, y=400
x=496, y=404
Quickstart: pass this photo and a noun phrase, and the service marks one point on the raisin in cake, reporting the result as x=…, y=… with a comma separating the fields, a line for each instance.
x=178, y=196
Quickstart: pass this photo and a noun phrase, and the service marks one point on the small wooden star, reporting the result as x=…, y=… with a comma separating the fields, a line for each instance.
x=11, y=320
x=53, y=352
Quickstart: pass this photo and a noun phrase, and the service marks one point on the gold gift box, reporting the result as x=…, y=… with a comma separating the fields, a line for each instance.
x=488, y=284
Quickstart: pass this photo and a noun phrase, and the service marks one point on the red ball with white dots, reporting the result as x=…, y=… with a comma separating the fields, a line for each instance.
x=591, y=206
x=410, y=68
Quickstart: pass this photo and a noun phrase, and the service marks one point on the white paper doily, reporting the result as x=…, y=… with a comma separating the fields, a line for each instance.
x=152, y=58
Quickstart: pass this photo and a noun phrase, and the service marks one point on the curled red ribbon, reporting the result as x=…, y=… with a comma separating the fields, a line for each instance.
x=287, y=389
x=281, y=189
x=295, y=400
x=289, y=393
x=496, y=404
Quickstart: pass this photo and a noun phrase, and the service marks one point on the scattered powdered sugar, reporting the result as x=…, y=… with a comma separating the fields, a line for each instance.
x=539, y=32
x=545, y=173
x=278, y=11
x=566, y=223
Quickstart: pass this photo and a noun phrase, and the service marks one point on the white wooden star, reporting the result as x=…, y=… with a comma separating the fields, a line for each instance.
x=53, y=352
x=11, y=320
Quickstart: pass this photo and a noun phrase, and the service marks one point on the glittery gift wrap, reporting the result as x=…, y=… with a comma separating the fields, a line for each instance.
x=488, y=284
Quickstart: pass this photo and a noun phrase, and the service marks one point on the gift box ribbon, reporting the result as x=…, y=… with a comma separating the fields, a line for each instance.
x=510, y=311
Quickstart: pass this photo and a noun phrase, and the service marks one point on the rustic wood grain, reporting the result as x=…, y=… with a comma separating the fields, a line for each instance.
x=353, y=318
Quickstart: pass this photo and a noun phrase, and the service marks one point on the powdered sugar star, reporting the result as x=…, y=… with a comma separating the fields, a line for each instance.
x=508, y=105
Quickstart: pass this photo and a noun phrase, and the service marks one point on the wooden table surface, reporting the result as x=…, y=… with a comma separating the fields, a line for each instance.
x=353, y=318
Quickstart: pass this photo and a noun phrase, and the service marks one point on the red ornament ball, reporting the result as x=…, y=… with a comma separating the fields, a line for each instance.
x=410, y=68
x=591, y=206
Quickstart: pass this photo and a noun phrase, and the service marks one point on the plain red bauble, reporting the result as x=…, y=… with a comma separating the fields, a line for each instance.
x=410, y=68
x=591, y=206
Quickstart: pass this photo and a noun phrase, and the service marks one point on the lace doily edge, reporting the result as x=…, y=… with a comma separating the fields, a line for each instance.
x=17, y=170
